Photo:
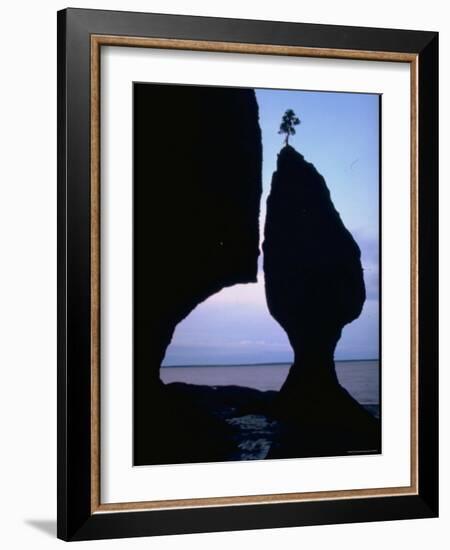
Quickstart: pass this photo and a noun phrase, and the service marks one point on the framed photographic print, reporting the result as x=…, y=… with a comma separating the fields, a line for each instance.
x=247, y=274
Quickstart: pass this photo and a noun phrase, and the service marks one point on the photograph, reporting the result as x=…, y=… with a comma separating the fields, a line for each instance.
x=256, y=273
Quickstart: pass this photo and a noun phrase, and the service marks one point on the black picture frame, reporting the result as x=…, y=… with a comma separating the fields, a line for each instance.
x=77, y=517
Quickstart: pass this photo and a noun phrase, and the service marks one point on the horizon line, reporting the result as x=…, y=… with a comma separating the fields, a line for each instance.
x=258, y=364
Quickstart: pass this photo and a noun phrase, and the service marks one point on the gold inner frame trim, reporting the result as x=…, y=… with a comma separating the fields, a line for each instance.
x=263, y=49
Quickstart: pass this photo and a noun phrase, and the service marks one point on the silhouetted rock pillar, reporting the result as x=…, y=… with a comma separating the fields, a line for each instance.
x=313, y=275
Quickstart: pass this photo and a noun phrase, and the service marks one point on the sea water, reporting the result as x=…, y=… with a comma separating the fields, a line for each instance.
x=360, y=378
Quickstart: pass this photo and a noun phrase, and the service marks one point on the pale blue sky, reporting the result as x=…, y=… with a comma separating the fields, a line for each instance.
x=339, y=135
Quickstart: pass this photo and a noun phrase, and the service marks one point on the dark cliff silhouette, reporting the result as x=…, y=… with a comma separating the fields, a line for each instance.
x=314, y=287
x=197, y=188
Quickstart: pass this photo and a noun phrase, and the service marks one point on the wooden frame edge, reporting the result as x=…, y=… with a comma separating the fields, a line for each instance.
x=261, y=49
x=414, y=251
x=237, y=47
x=95, y=273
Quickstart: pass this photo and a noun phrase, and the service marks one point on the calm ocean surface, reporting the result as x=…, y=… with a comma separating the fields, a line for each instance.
x=360, y=378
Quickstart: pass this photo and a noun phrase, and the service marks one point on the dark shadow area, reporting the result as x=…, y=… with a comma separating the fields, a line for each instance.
x=46, y=526
x=223, y=423
x=197, y=188
x=210, y=424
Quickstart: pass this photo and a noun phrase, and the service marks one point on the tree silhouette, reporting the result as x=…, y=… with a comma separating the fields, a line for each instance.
x=288, y=122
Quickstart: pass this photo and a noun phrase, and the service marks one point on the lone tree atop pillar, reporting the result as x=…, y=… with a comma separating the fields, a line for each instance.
x=288, y=122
